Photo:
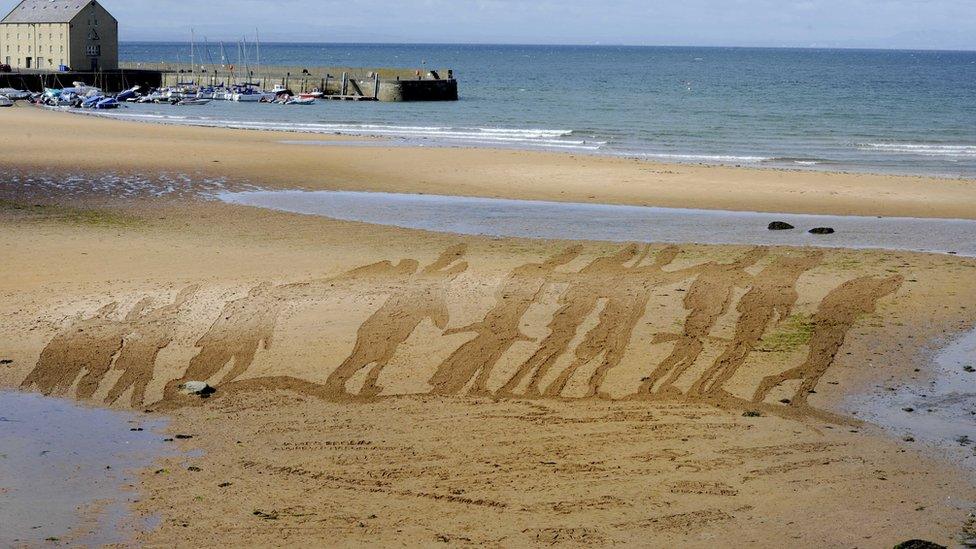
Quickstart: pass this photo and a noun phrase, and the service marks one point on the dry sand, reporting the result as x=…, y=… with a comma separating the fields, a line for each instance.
x=380, y=386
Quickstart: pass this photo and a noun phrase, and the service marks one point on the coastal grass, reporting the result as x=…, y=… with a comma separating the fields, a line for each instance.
x=792, y=334
x=89, y=217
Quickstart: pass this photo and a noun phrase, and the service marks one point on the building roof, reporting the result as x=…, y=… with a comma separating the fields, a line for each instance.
x=46, y=11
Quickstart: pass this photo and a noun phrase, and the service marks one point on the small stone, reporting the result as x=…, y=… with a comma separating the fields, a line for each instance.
x=223, y=485
x=197, y=388
x=909, y=439
x=909, y=409
x=919, y=544
x=822, y=230
x=183, y=437
x=5, y=362
x=752, y=413
x=780, y=226
x=969, y=369
x=193, y=469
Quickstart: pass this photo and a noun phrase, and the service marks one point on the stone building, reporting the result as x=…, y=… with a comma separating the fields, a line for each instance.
x=46, y=34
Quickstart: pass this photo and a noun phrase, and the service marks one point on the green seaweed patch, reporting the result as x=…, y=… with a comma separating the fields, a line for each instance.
x=792, y=334
x=93, y=217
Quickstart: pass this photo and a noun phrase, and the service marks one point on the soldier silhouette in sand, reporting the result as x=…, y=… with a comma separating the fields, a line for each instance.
x=499, y=329
x=244, y=326
x=578, y=301
x=772, y=296
x=412, y=300
x=707, y=299
x=627, y=300
x=149, y=333
x=836, y=316
x=88, y=345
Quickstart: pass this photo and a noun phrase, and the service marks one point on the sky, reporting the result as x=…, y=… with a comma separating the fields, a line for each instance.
x=923, y=24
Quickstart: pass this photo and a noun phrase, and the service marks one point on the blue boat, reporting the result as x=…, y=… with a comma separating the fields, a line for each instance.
x=107, y=103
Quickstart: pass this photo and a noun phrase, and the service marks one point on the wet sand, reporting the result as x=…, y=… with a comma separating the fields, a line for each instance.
x=87, y=143
x=606, y=393
x=66, y=471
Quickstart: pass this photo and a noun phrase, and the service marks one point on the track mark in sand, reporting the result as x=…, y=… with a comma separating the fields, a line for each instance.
x=374, y=486
x=798, y=465
x=702, y=488
x=772, y=296
x=499, y=329
x=561, y=536
x=782, y=449
x=682, y=522
x=418, y=298
x=708, y=298
x=604, y=503
x=836, y=316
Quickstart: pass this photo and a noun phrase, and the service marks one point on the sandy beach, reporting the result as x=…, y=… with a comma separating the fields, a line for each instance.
x=379, y=386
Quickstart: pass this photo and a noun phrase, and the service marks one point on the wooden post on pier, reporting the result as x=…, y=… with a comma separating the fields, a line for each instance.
x=345, y=84
x=376, y=86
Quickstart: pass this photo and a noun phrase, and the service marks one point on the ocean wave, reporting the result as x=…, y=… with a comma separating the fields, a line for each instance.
x=922, y=149
x=721, y=158
x=547, y=138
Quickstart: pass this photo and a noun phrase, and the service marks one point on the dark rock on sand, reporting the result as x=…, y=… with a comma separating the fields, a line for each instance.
x=919, y=544
x=197, y=388
x=822, y=230
x=780, y=226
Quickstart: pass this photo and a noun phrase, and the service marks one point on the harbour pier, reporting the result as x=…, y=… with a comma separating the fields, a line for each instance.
x=336, y=83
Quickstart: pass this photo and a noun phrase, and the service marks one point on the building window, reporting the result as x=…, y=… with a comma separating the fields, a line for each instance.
x=94, y=51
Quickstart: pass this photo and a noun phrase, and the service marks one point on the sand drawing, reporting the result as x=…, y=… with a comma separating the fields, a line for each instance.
x=772, y=296
x=499, y=329
x=87, y=346
x=83, y=354
x=577, y=302
x=244, y=326
x=708, y=298
x=627, y=298
x=416, y=299
x=837, y=314
x=149, y=333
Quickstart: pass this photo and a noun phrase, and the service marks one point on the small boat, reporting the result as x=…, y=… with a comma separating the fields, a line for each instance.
x=107, y=103
x=314, y=94
x=6, y=101
x=129, y=94
x=89, y=102
x=189, y=102
x=15, y=95
x=300, y=101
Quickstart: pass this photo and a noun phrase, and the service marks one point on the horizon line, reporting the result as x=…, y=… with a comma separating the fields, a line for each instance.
x=580, y=45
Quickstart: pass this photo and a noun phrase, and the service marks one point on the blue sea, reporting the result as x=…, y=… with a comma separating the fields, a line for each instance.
x=905, y=112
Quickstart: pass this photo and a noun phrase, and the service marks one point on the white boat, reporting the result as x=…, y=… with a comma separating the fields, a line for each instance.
x=6, y=101
x=300, y=101
x=194, y=101
x=15, y=95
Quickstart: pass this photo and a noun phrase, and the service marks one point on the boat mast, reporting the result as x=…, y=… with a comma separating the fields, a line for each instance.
x=193, y=68
x=257, y=47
